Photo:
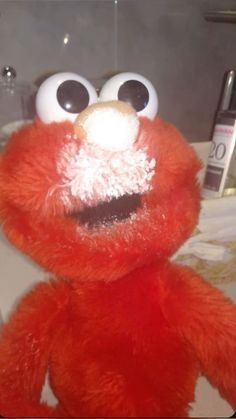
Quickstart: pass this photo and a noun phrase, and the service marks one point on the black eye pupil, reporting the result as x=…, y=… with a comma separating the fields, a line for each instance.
x=135, y=93
x=72, y=96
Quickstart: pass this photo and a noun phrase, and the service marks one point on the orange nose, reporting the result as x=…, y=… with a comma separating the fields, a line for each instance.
x=116, y=105
x=111, y=125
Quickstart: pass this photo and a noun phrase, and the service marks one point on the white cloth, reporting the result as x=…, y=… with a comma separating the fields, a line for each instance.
x=217, y=222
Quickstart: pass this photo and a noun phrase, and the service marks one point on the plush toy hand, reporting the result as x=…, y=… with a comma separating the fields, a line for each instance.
x=25, y=351
x=207, y=321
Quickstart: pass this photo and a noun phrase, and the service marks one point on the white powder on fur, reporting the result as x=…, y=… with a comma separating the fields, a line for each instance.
x=95, y=175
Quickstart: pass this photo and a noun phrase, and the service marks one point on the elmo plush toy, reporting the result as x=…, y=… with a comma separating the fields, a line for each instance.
x=101, y=192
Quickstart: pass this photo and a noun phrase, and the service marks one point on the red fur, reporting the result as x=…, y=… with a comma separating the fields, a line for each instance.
x=122, y=331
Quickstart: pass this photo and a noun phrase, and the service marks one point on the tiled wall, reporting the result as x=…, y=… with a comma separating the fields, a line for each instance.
x=168, y=41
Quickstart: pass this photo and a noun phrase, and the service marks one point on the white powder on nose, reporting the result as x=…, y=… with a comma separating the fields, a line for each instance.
x=110, y=129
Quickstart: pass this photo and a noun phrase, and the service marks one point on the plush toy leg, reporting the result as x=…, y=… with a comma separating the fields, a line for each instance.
x=207, y=321
x=25, y=346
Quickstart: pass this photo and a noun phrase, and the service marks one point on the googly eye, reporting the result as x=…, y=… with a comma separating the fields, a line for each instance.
x=134, y=89
x=63, y=96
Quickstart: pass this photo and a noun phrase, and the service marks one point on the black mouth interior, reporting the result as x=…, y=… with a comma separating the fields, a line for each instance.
x=117, y=209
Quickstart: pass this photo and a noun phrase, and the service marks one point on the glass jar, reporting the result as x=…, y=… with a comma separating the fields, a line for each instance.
x=16, y=103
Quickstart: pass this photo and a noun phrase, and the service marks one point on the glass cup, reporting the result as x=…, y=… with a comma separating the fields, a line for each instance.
x=16, y=104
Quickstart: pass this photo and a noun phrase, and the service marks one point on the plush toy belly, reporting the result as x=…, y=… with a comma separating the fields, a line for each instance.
x=123, y=359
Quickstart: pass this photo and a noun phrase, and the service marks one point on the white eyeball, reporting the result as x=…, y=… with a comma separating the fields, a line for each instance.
x=63, y=96
x=134, y=89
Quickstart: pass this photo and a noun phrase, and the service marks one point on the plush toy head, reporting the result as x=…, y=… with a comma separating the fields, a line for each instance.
x=97, y=186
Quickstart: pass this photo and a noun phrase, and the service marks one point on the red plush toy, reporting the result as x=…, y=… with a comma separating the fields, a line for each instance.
x=101, y=194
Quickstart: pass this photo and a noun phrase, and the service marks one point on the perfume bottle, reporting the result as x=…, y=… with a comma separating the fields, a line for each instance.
x=16, y=103
x=220, y=176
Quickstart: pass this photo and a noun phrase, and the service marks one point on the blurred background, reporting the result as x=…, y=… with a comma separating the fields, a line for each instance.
x=170, y=42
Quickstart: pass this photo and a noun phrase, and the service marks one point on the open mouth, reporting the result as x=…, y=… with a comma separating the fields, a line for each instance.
x=105, y=213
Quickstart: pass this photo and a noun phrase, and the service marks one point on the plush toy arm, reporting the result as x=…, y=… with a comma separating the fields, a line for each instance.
x=207, y=321
x=25, y=345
